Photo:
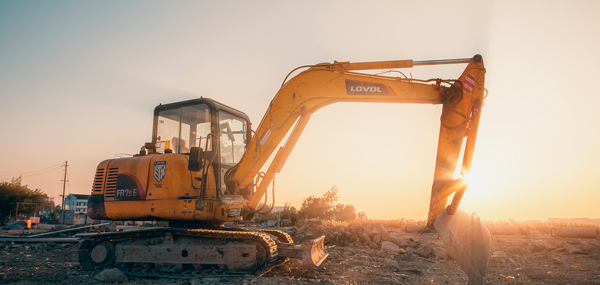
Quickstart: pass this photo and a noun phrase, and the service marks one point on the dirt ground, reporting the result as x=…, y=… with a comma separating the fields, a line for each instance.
x=354, y=258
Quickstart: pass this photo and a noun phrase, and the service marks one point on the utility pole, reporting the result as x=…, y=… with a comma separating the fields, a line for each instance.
x=63, y=195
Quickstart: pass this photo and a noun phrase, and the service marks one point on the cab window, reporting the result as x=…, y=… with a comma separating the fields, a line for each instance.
x=180, y=129
x=233, y=137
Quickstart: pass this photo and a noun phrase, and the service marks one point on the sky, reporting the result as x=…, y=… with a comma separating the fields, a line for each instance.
x=79, y=82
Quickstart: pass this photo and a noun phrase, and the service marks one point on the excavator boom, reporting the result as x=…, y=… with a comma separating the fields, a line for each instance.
x=325, y=84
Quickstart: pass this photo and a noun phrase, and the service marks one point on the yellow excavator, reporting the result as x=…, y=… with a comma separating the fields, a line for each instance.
x=203, y=169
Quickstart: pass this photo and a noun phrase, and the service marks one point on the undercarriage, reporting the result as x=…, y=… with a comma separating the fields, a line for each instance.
x=238, y=250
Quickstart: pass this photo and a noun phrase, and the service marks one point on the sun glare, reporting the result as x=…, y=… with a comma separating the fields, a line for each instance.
x=484, y=177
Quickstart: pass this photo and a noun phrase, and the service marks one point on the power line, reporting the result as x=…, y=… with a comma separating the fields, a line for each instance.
x=44, y=170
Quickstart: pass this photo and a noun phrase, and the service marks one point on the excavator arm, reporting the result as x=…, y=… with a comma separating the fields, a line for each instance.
x=325, y=84
x=468, y=241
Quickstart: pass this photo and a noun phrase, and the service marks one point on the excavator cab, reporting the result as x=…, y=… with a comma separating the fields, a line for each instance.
x=218, y=132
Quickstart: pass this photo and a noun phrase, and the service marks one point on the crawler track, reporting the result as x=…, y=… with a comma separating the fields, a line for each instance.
x=267, y=258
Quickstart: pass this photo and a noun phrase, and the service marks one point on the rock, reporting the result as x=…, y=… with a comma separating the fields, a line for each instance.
x=302, y=229
x=537, y=247
x=321, y=229
x=573, y=249
x=16, y=225
x=402, y=251
x=440, y=253
x=550, y=245
x=424, y=251
x=499, y=256
x=392, y=263
x=195, y=282
x=400, y=242
x=315, y=221
x=386, y=236
x=111, y=275
x=390, y=247
x=410, y=250
x=367, y=229
x=372, y=245
x=366, y=238
x=556, y=261
x=377, y=238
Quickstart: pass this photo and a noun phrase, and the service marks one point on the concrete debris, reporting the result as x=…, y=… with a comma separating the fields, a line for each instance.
x=509, y=230
x=392, y=263
x=550, y=245
x=440, y=253
x=499, y=256
x=400, y=242
x=359, y=252
x=390, y=247
x=556, y=261
x=111, y=276
x=424, y=251
x=575, y=232
x=16, y=225
x=571, y=249
x=417, y=229
x=377, y=238
x=537, y=247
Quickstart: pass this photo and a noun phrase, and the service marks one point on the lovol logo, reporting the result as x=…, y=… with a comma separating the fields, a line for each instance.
x=365, y=88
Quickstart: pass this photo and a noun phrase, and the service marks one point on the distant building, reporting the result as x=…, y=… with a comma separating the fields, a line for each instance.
x=278, y=209
x=77, y=203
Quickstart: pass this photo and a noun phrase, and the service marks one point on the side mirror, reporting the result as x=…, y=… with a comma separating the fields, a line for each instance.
x=195, y=162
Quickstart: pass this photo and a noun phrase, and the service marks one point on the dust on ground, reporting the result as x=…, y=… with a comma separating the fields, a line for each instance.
x=358, y=254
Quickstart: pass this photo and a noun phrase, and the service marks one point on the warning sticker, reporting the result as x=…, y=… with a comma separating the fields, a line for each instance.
x=469, y=83
x=264, y=137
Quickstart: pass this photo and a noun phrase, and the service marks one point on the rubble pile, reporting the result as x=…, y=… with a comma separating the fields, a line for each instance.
x=359, y=252
x=372, y=236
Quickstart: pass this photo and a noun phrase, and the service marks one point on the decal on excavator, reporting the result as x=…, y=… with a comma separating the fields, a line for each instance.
x=365, y=88
x=159, y=170
x=128, y=188
x=264, y=137
x=469, y=83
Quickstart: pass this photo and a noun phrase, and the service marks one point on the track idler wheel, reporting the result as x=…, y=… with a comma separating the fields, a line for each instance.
x=101, y=254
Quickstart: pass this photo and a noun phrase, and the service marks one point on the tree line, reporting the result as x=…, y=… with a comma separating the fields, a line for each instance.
x=324, y=207
x=13, y=193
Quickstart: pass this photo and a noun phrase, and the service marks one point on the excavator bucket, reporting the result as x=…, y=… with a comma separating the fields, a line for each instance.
x=468, y=242
x=313, y=252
